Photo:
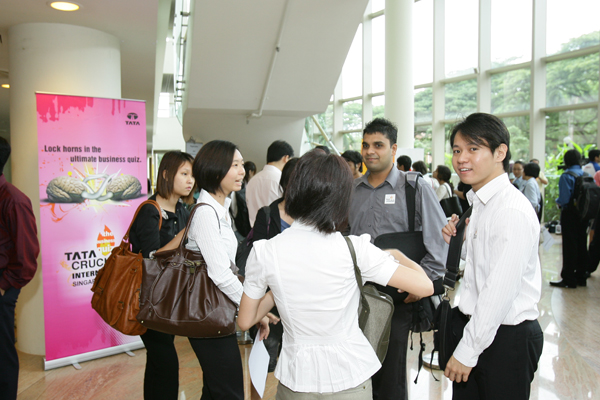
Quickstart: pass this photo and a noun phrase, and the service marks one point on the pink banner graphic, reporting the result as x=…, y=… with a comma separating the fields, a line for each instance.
x=92, y=177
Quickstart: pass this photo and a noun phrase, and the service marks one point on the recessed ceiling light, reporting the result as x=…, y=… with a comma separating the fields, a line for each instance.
x=64, y=6
x=5, y=85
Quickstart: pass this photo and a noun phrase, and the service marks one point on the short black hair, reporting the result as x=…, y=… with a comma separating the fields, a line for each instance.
x=324, y=148
x=572, y=157
x=319, y=190
x=354, y=157
x=405, y=161
x=519, y=162
x=485, y=130
x=593, y=154
x=4, y=153
x=444, y=173
x=169, y=165
x=249, y=166
x=420, y=167
x=531, y=169
x=279, y=149
x=383, y=126
x=212, y=163
x=287, y=172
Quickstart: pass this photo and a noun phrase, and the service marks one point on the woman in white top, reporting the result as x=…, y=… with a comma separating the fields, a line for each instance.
x=443, y=174
x=530, y=188
x=219, y=170
x=421, y=167
x=311, y=275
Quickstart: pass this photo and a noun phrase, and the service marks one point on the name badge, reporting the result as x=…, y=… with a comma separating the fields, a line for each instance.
x=390, y=199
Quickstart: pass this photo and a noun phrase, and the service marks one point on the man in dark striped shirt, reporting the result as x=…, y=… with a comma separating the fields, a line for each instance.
x=19, y=249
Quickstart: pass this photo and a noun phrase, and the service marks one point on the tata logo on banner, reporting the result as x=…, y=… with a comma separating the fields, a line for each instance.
x=132, y=117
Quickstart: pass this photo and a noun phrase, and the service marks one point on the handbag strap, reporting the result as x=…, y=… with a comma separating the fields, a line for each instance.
x=155, y=204
x=454, y=250
x=187, y=227
x=363, y=299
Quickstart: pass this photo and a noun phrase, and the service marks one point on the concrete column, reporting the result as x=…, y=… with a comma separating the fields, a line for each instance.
x=438, y=141
x=53, y=58
x=399, y=87
x=484, y=80
x=537, y=118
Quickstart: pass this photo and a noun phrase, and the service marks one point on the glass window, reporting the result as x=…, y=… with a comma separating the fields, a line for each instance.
x=423, y=104
x=575, y=126
x=519, y=137
x=461, y=98
x=352, y=70
x=571, y=25
x=326, y=119
x=461, y=38
x=377, y=5
x=164, y=105
x=511, y=44
x=352, y=115
x=378, y=107
x=378, y=54
x=572, y=81
x=511, y=91
x=423, y=42
x=353, y=141
x=448, y=152
x=313, y=134
x=423, y=135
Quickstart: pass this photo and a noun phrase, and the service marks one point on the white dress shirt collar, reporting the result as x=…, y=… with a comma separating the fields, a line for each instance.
x=206, y=197
x=489, y=189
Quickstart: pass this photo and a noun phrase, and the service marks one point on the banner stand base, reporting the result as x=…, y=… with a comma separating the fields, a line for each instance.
x=92, y=355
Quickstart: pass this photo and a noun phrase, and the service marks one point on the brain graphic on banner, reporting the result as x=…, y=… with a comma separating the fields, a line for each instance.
x=92, y=177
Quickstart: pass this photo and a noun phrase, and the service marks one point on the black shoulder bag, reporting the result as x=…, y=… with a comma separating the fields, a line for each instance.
x=448, y=324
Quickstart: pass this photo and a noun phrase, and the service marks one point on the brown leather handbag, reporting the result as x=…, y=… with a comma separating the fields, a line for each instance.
x=117, y=285
x=179, y=298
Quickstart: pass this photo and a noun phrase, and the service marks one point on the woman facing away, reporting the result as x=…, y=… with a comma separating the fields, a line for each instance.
x=218, y=170
x=174, y=184
x=443, y=174
x=311, y=275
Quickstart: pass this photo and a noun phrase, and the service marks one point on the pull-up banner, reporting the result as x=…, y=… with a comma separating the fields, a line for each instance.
x=92, y=177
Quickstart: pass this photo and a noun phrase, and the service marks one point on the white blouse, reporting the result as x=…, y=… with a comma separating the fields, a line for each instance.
x=215, y=239
x=443, y=191
x=312, y=279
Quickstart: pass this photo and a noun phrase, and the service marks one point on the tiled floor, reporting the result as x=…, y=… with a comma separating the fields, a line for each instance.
x=569, y=367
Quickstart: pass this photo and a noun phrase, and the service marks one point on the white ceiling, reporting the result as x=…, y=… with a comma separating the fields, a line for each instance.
x=134, y=22
x=231, y=45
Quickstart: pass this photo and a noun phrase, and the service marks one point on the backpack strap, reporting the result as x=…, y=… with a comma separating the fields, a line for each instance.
x=267, y=210
x=411, y=195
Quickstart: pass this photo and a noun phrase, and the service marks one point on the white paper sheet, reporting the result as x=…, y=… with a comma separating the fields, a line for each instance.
x=548, y=239
x=258, y=364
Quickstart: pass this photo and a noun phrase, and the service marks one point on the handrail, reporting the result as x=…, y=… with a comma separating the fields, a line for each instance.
x=324, y=134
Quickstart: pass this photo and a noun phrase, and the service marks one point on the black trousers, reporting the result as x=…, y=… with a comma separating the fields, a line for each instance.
x=219, y=358
x=390, y=382
x=506, y=368
x=9, y=360
x=574, y=247
x=594, y=250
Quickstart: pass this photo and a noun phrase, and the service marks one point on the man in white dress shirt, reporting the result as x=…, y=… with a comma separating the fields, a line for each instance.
x=502, y=340
x=264, y=188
